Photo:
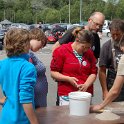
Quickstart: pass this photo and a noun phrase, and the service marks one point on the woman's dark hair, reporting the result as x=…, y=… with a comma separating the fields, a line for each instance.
x=84, y=36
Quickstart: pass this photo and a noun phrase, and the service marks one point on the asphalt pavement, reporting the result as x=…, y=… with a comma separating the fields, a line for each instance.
x=45, y=56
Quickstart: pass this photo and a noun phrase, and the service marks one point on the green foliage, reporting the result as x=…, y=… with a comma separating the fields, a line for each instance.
x=52, y=16
x=53, y=11
x=27, y=16
x=75, y=12
x=64, y=13
x=1, y=4
x=19, y=16
x=119, y=9
x=1, y=15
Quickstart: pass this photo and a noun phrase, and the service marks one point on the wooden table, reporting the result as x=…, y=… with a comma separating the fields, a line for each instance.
x=60, y=115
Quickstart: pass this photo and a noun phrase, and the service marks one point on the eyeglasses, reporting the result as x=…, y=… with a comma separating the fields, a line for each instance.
x=86, y=47
x=97, y=24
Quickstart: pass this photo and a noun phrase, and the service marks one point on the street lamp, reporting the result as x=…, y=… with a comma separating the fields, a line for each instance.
x=69, y=11
x=80, y=11
x=4, y=14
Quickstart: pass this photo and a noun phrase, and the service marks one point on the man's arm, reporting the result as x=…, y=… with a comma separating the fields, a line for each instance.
x=102, y=78
x=66, y=38
x=56, y=45
x=112, y=94
x=29, y=110
x=114, y=91
x=96, y=44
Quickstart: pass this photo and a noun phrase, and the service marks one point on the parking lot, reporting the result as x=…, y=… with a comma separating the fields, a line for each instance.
x=45, y=56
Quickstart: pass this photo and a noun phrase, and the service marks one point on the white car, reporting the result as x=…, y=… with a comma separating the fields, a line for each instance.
x=19, y=25
x=106, y=31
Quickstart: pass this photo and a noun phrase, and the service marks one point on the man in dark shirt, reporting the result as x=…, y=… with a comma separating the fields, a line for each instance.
x=95, y=23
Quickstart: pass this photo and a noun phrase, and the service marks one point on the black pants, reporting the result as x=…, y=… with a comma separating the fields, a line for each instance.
x=57, y=100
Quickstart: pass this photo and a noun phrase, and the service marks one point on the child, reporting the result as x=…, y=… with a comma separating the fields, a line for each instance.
x=17, y=79
x=38, y=41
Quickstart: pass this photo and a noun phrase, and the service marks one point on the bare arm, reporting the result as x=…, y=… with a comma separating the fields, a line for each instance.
x=90, y=80
x=113, y=93
x=28, y=108
x=60, y=77
x=66, y=38
x=102, y=78
x=56, y=45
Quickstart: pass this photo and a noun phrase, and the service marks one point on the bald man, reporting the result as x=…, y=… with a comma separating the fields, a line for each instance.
x=95, y=23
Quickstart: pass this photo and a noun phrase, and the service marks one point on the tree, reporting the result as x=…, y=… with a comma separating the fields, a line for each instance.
x=75, y=12
x=119, y=10
x=64, y=14
x=53, y=11
x=19, y=16
x=52, y=16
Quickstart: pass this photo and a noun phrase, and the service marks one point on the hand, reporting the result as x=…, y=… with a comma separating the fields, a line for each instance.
x=73, y=81
x=2, y=100
x=83, y=87
x=95, y=108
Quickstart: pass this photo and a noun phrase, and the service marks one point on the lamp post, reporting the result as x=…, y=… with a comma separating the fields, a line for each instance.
x=4, y=14
x=60, y=17
x=69, y=11
x=80, y=11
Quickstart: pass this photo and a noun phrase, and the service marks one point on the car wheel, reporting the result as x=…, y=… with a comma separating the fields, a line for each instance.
x=108, y=34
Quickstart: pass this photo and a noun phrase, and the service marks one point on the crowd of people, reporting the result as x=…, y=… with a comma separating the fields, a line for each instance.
x=73, y=67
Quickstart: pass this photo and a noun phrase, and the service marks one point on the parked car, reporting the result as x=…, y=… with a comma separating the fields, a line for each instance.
x=19, y=25
x=53, y=37
x=106, y=31
x=106, y=24
x=2, y=34
x=45, y=27
x=64, y=25
x=73, y=26
x=32, y=26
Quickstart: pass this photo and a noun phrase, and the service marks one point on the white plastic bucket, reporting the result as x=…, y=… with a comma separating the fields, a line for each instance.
x=79, y=103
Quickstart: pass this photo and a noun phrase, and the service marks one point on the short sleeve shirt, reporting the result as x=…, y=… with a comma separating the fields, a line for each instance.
x=106, y=56
x=120, y=70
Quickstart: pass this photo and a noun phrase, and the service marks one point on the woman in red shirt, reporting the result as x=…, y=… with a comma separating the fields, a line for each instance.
x=74, y=66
